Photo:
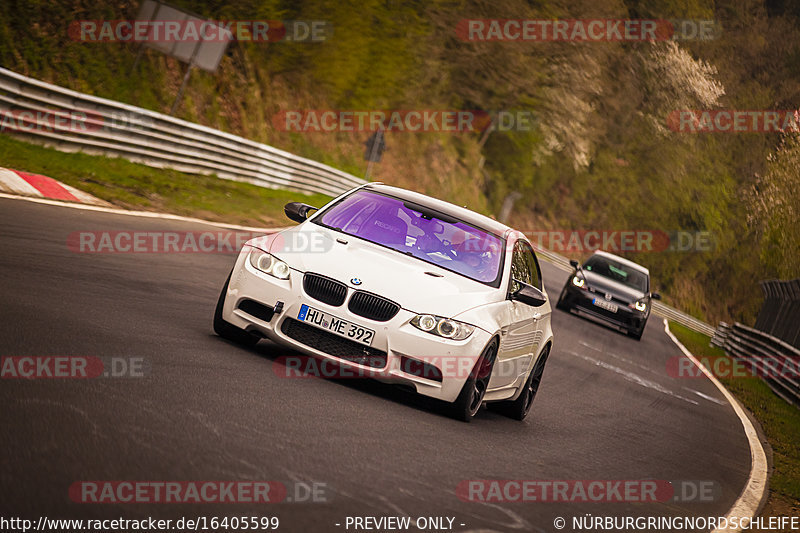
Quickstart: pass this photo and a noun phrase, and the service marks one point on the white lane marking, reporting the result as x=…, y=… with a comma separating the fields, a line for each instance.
x=634, y=378
x=13, y=182
x=143, y=214
x=746, y=506
x=706, y=396
x=587, y=345
x=616, y=356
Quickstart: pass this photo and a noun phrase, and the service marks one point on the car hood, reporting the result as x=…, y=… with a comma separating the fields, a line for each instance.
x=313, y=248
x=608, y=286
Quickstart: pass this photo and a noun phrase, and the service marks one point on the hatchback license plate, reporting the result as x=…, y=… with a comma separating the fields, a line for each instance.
x=336, y=325
x=605, y=305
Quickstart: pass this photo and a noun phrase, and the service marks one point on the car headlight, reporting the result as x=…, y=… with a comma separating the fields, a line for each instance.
x=442, y=327
x=269, y=264
x=578, y=282
x=640, y=305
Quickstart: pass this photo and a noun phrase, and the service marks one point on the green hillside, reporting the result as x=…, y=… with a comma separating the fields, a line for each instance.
x=600, y=156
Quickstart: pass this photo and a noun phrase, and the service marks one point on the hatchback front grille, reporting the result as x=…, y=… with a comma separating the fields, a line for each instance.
x=372, y=306
x=325, y=289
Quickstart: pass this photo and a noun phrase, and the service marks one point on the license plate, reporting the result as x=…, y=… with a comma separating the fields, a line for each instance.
x=336, y=325
x=605, y=305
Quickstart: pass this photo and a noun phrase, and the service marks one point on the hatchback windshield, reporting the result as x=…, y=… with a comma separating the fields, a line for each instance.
x=619, y=272
x=419, y=232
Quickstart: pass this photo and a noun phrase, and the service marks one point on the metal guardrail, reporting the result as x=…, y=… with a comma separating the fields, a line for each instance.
x=70, y=121
x=670, y=313
x=660, y=309
x=775, y=361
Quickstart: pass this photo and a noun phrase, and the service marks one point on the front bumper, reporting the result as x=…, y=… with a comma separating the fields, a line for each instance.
x=392, y=356
x=580, y=300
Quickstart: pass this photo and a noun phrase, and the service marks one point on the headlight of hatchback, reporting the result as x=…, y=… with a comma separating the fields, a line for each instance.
x=269, y=264
x=442, y=327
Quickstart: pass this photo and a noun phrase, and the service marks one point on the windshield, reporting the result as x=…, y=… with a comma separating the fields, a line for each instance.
x=419, y=232
x=619, y=272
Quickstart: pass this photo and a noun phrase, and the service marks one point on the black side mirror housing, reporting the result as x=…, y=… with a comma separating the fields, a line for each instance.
x=529, y=295
x=655, y=296
x=574, y=264
x=298, y=211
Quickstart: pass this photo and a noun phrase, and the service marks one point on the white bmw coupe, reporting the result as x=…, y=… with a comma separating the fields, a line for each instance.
x=404, y=288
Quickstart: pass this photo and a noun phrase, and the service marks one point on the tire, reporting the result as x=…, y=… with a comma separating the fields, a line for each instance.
x=518, y=409
x=229, y=331
x=470, y=398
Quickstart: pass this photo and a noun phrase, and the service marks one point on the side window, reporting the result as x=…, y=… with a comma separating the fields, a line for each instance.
x=533, y=267
x=520, y=268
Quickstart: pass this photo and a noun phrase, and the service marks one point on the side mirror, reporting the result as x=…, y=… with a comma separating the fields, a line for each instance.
x=655, y=296
x=298, y=211
x=574, y=264
x=529, y=295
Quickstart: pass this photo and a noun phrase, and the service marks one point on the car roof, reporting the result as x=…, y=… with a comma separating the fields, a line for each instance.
x=622, y=260
x=461, y=213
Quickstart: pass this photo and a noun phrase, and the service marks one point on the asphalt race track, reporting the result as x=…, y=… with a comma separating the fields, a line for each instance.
x=211, y=410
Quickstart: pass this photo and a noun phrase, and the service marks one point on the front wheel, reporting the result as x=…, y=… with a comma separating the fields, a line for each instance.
x=471, y=396
x=227, y=330
x=518, y=409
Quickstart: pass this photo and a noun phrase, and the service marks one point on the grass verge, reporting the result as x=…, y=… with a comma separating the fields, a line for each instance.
x=779, y=420
x=134, y=186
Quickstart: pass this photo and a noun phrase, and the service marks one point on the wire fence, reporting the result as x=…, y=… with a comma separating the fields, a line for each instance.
x=775, y=361
x=780, y=313
x=771, y=347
